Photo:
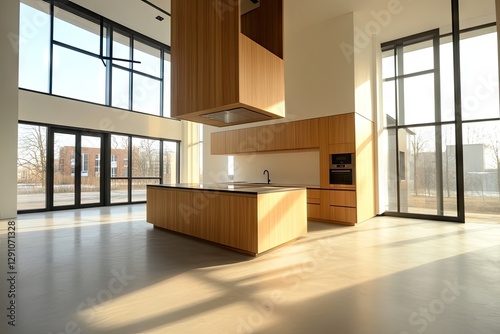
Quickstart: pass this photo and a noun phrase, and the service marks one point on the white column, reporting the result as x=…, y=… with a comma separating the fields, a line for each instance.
x=9, y=37
x=190, y=153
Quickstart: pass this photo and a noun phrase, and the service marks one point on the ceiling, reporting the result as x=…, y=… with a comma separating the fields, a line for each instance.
x=407, y=17
x=135, y=14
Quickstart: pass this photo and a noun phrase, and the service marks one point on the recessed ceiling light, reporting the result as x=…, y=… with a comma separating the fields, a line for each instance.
x=159, y=18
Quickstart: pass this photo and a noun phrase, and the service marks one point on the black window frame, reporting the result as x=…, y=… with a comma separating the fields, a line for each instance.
x=396, y=46
x=107, y=27
x=105, y=165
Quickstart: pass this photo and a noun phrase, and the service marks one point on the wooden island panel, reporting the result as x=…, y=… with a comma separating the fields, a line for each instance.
x=280, y=218
x=246, y=222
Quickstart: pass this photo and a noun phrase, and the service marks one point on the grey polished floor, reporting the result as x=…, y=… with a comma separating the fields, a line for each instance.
x=107, y=271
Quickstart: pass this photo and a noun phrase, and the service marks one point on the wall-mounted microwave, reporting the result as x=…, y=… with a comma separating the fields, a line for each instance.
x=342, y=169
x=341, y=159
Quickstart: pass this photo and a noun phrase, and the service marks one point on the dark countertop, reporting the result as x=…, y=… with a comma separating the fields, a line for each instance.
x=245, y=188
x=272, y=184
x=297, y=185
x=292, y=185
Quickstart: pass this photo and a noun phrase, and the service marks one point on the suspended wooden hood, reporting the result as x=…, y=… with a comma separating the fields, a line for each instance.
x=227, y=67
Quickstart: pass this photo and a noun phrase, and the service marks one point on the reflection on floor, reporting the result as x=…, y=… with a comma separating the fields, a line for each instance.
x=106, y=270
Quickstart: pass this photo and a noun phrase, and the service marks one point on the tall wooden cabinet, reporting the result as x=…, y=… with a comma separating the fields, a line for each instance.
x=349, y=133
x=227, y=67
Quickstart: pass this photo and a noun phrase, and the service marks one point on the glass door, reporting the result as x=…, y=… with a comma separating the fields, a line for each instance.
x=64, y=167
x=76, y=169
x=91, y=163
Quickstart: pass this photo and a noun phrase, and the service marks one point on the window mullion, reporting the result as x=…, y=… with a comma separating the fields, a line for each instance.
x=109, y=65
x=162, y=78
x=438, y=127
x=51, y=47
x=458, y=110
x=131, y=76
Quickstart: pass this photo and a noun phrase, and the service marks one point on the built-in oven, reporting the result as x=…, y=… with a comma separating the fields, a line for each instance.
x=342, y=169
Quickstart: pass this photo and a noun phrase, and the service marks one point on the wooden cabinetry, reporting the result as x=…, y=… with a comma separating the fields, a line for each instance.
x=232, y=143
x=218, y=143
x=341, y=133
x=307, y=133
x=227, y=68
x=343, y=206
x=249, y=222
x=332, y=205
x=348, y=133
x=248, y=141
x=343, y=215
x=313, y=204
x=346, y=198
x=275, y=137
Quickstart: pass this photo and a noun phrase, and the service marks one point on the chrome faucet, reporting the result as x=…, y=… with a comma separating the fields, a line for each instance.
x=268, y=179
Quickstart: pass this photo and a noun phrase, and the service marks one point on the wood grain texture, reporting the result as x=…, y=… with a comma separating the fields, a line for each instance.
x=277, y=137
x=218, y=143
x=232, y=143
x=249, y=141
x=313, y=211
x=307, y=133
x=282, y=217
x=324, y=202
x=250, y=223
x=297, y=135
x=264, y=25
x=346, y=198
x=204, y=55
x=224, y=218
x=313, y=196
x=261, y=78
x=341, y=130
x=342, y=148
x=343, y=215
x=216, y=68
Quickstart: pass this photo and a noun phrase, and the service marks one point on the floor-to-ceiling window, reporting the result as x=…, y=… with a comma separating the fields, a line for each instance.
x=31, y=167
x=80, y=55
x=481, y=124
x=71, y=52
x=420, y=112
x=62, y=168
x=419, y=128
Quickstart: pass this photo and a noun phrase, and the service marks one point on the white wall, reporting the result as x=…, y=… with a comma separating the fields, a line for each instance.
x=190, y=153
x=43, y=108
x=319, y=81
x=284, y=167
x=9, y=32
x=363, y=68
x=214, y=166
x=318, y=77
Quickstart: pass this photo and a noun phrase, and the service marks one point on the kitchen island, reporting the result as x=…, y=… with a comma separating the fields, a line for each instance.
x=248, y=218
